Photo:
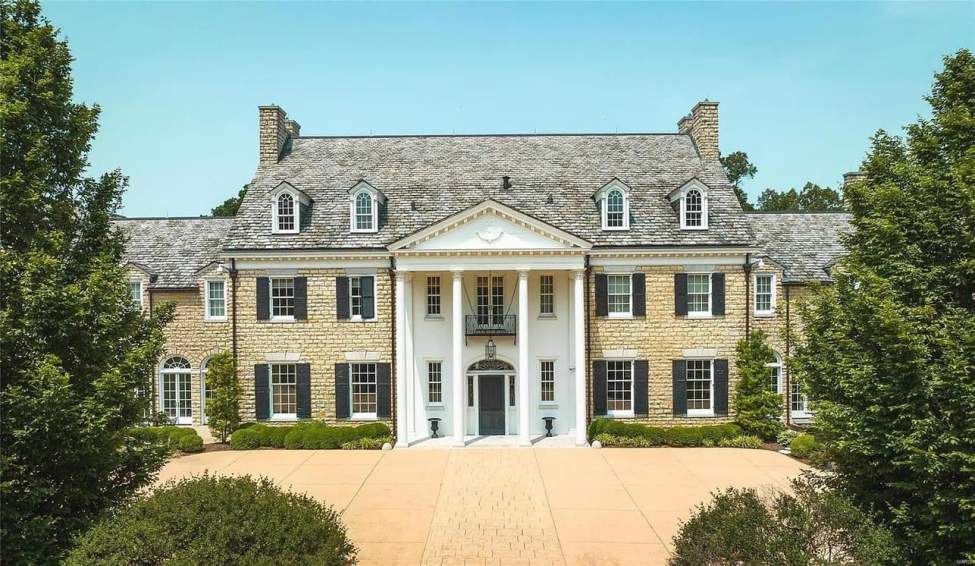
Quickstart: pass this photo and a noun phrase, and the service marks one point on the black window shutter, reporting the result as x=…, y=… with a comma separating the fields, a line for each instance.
x=342, y=298
x=602, y=296
x=641, y=387
x=342, y=409
x=680, y=293
x=680, y=388
x=717, y=293
x=262, y=400
x=639, y=294
x=384, y=391
x=301, y=298
x=304, y=216
x=263, y=298
x=721, y=387
x=368, y=285
x=599, y=387
x=303, y=391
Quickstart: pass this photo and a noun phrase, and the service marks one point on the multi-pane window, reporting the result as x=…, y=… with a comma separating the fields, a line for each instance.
x=176, y=385
x=135, y=292
x=490, y=300
x=355, y=296
x=798, y=400
x=699, y=387
x=435, y=381
x=546, y=295
x=693, y=209
x=699, y=293
x=619, y=387
x=615, y=209
x=775, y=374
x=284, y=390
x=618, y=294
x=216, y=299
x=363, y=212
x=763, y=293
x=511, y=391
x=547, y=380
x=433, y=295
x=470, y=390
x=363, y=390
x=282, y=297
x=286, y=213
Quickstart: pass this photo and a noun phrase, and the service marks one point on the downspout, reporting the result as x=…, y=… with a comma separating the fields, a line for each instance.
x=788, y=351
x=588, y=321
x=233, y=311
x=748, y=296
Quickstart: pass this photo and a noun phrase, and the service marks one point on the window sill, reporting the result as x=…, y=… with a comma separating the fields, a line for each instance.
x=367, y=417
x=615, y=228
x=701, y=316
x=359, y=320
x=284, y=232
x=694, y=228
x=770, y=314
x=283, y=418
x=621, y=415
x=702, y=415
x=216, y=319
x=620, y=317
x=280, y=320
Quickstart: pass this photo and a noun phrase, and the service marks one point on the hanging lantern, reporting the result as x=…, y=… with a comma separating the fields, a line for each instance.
x=490, y=349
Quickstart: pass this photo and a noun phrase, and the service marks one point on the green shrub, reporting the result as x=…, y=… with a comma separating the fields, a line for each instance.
x=218, y=520
x=184, y=439
x=811, y=525
x=805, y=446
x=309, y=435
x=245, y=439
x=786, y=436
x=367, y=443
x=708, y=435
x=191, y=444
x=743, y=441
x=757, y=407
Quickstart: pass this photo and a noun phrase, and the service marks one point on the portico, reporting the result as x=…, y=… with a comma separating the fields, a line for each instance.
x=490, y=328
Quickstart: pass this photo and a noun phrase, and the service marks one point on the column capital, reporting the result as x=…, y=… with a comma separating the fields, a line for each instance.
x=401, y=275
x=523, y=274
x=457, y=274
x=579, y=273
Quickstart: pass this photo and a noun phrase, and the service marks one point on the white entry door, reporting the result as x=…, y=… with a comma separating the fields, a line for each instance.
x=175, y=385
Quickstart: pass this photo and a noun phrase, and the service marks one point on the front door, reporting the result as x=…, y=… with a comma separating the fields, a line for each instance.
x=176, y=402
x=490, y=407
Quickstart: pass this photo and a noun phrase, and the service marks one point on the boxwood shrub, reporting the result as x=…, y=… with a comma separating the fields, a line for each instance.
x=310, y=435
x=643, y=435
x=182, y=438
x=805, y=446
x=218, y=520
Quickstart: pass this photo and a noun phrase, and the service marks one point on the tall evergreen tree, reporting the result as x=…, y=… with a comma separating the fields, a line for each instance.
x=73, y=348
x=889, y=352
x=757, y=407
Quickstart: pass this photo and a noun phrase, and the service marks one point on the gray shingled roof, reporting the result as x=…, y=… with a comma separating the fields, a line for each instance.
x=805, y=244
x=443, y=175
x=173, y=249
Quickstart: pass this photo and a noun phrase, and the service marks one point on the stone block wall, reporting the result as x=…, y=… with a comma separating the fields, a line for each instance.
x=702, y=125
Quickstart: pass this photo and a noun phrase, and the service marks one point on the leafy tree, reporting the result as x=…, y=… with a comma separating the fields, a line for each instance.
x=812, y=198
x=738, y=167
x=73, y=348
x=757, y=407
x=229, y=207
x=889, y=347
x=223, y=408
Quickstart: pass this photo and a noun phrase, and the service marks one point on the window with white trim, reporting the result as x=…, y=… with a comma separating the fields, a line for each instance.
x=433, y=295
x=282, y=298
x=619, y=295
x=798, y=401
x=355, y=297
x=615, y=209
x=764, y=293
x=619, y=387
x=700, y=387
x=175, y=388
x=286, y=214
x=364, y=218
x=284, y=391
x=775, y=373
x=547, y=381
x=546, y=295
x=490, y=300
x=363, y=390
x=135, y=292
x=216, y=300
x=698, y=294
x=435, y=382
x=693, y=209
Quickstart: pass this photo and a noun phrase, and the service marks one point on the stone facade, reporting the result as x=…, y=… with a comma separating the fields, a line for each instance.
x=702, y=125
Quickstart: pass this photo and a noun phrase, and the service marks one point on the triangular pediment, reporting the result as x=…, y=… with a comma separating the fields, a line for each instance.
x=490, y=225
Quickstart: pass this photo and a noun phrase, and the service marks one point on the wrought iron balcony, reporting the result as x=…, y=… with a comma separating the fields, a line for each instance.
x=491, y=325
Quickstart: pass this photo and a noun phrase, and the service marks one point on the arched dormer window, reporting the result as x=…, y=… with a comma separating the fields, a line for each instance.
x=693, y=209
x=290, y=209
x=286, y=217
x=613, y=202
x=366, y=204
x=691, y=202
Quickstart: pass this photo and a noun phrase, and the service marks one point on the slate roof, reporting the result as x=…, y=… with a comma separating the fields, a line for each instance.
x=805, y=243
x=173, y=249
x=428, y=178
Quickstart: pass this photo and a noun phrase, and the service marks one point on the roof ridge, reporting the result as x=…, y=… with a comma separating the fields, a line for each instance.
x=522, y=135
x=173, y=218
x=796, y=212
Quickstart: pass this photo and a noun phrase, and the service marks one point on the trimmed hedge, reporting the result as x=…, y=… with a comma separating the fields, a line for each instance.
x=643, y=435
x=184, y=439
x=312, y=435
x=367, y=443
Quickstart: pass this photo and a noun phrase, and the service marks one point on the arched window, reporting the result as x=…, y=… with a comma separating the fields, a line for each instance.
x=775, y=372
x=176, y=363
x=693, y=209
x=615, y=209
x=363, y=217
x=286, y=218
x=175, y=397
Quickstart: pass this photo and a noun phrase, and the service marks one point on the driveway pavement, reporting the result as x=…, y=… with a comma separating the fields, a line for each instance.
x=507, y=505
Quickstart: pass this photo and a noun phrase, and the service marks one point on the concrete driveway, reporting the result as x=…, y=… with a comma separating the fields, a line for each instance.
x=507, y=505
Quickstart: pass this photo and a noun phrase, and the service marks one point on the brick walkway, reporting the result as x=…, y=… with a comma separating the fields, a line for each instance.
x=501, y=506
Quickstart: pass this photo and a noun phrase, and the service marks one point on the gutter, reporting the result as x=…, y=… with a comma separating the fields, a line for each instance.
x=748, y=276
x=233, y=312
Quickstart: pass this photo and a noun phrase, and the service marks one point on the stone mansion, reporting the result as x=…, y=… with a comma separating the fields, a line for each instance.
x=482, y=283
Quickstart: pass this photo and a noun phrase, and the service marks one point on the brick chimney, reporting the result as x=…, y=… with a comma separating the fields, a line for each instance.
x=274, y=132
x=853, y=177
x=702, y=125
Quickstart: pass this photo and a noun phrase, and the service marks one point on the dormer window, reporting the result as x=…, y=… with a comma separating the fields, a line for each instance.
x=614, y=205
x=365, y=208
x=290, y=209
x=286, y=221
x=691, y=204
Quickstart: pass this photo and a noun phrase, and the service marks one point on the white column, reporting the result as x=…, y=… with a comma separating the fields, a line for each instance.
x=401, y=360
x=579, y=347
x=524, y=403
x=456, y=365
x=410, y=362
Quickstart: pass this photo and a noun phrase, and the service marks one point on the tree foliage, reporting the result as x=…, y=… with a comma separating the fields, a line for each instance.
x=812, y=198
x=889, y=348
x=223, y=407
x=229, y=207
x=738, y=167
x=757, y=407
x=73, y=348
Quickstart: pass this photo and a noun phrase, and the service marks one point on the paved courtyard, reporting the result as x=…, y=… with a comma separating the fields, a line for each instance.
x=507, y=505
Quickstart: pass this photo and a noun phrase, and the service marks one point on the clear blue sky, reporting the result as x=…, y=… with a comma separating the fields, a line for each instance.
x=801, y=86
